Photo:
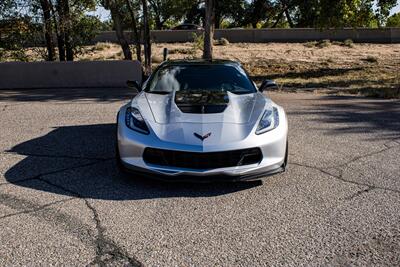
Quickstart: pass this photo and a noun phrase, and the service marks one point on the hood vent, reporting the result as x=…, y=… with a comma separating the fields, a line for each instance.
x=201, y=102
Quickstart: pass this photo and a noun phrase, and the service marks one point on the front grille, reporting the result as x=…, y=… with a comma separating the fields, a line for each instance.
x=207, y=160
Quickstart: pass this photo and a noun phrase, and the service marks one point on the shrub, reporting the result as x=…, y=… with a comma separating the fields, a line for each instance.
x=324, y=43
x=310, y=44
x=222, y=41
x=349, y=43
x=198, y=41
x=371, y=59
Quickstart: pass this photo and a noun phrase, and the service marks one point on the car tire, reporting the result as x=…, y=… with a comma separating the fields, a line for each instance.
x=285, y=163
x=119, y=164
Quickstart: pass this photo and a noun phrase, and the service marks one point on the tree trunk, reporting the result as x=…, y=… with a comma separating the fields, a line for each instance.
x=135, y=32
x=69, y=49
x=217, y=21
x=48, y=29
x=147, y=42
x=278, y=19
x=116, y=17
x=209, y=30
x=61, y=31
x=289, y=19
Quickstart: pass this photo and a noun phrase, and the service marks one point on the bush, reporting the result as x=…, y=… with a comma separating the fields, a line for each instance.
x=324, y=43
x=198, y=41
x=310, y=44
x=222, y=41
x=371, y=59
x=349, y=43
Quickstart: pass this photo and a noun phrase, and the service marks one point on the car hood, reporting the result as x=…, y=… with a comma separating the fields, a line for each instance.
x=171, y=124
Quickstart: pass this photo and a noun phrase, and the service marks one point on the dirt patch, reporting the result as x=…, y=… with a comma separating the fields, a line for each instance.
x=339, y=68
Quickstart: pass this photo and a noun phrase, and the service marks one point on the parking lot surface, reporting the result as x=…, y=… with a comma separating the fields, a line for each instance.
x=63, y=201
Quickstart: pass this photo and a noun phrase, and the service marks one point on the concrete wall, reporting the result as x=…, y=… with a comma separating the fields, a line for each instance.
x=21, y=75
x=385, y=35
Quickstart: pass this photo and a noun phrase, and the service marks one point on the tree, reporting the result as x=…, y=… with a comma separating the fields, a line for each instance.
x=115, y=7
x=232, y=10
x=147, y=41
x=46, y=9
x=394, y=20
x=164, y=10
x=384, y=7
x=135, y=31
x=209, y=30
x=338, y=14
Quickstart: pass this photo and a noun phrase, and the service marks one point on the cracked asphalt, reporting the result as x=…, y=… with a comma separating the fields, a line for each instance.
x=63, y=202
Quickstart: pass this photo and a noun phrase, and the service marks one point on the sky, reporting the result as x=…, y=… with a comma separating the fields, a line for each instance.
x=105, y=14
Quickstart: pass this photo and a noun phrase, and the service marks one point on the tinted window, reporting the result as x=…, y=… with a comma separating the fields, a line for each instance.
x=220, y=78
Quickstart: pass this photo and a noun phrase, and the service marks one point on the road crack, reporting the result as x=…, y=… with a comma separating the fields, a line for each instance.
x=107, y=251
x=339, y=167
x=361, y=157
x=340, y=177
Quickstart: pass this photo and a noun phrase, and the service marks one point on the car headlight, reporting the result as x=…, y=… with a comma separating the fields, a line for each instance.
x=134, y=120
x=269, y=121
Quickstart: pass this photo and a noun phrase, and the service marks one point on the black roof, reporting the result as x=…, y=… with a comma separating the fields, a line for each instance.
x=199, y=62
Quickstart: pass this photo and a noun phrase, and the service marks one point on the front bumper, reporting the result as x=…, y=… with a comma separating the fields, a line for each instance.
x=193, y=177
x=131, y=146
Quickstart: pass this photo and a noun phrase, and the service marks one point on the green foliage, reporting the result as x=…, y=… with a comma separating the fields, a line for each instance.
x=84, y=29
x=198, y=42
x=169, y=12
x=342, y=13
x=394, y=20
x=349, y=43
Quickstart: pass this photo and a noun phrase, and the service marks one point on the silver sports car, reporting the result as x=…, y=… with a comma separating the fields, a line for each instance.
x=203, y=121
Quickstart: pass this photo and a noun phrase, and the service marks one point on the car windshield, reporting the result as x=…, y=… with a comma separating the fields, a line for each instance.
x=212, y=78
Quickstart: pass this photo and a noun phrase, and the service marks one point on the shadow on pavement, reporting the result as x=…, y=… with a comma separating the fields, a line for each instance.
x=357, y=115
x=79, y=160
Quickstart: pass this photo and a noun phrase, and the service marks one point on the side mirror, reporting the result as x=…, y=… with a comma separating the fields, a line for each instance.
x=267, y=84
x=134, y=85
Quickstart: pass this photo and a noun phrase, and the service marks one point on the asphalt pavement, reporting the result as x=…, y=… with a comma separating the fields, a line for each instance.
x=63, y=201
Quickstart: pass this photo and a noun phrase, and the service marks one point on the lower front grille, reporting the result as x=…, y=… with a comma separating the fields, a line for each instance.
x=198, y=160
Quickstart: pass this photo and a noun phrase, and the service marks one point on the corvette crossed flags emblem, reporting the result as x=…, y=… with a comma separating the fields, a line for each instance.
x=202, y=137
